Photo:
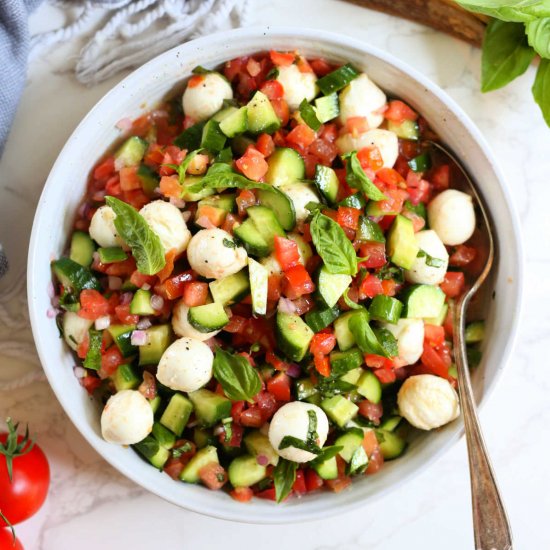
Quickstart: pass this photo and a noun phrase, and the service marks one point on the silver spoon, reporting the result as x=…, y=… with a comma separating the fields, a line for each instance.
x=491, y=526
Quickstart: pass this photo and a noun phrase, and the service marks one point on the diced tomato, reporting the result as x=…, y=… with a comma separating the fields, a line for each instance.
x=377, y=361
x=370, y=442
x=174, y=467
x=421, y=193
x=128, y=178
x=299, y=487
x=105, y=169
x=320, y=66
x=448, y=323
x=434, y=361
x=279, y=386
x=209, y=216
x=434, y=335
x=245, y=200
x=252, y=418
x=313, y=480
x=342, y=481
x=303, y=65
x=282, y=59
x=370, y=158
x=242, y=494
x=90, y=383
x=371, y=286
x=286, y=252
x=82, y=349
x=267, y=404
x=462, y=255
x=386, y=222
x=297, y=282
x=398, y=111
x=110, y=360
x=252, y=164
x=441, y=177
x=389, y=287
x=229, y=223
x=372, y=411
x=237, y=407
x=148, y=388
x=237, y=432
x=136, y=198
x=265, y=145
x=374, y=254
x=348, y=217
x=213, y=475
x=376, y=461
x=323, y=151
x=124, y=316
x=236, y=324
x=174, y=286
x=273, y=89
x=154, y=155
x=302, y=136
x=253, y=67
x=195, y=81
x=121, y=269
x=268, y=494
x=195, y=293
x=356, y=125
x=322, y=364
x=92, y=305
x=274, y=287
x=453, y=283
x=112, y=187
x=234, y=67
x=166, y=271
x=276, y=362
x=139, y=279
x=386, y=376
x=322, y=343
x=394, y=202
x=280, y=106
x=390, y=177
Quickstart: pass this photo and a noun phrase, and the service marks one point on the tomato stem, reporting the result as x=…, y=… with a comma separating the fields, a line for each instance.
x=12, y=448
x=10, y=526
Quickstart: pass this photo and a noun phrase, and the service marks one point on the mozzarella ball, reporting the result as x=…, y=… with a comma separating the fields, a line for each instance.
x=297, y=85
x=75, y=328
x=420, y=272
x=210, y=257
x=182, y=326
x=385, y=140
x=167, y=222
x=300, y=194
x=409, y=334
x=103, y=230
x=293, y=419
x=206, y=99
x=428, y=401
x=185, y=365
x=362, y=98
x=127, y=418
x=451, y=215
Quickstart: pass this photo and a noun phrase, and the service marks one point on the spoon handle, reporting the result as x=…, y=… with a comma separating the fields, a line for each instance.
x=491, y=527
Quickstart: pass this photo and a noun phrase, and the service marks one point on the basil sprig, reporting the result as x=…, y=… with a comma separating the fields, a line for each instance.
x=284, y=476
x=310, y=444
x=144, y=242
x=326, y=454
x=430, y=260
x=356, y=178
x=333, y=246
x=349, y=302
x=309, y=116
x=181, y=169
x=239, y=380
x=374, y=341
x=222, y=177
x=541, y=88
x=93, y=355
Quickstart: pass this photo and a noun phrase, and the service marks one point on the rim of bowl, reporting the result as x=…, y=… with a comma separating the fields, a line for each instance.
x=330, y=39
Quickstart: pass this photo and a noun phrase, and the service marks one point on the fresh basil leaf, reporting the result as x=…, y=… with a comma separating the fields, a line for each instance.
x=388, y=341
x=430, y=260
x=391, y=272
x=272, y=74
x=225, y=156
x=330, y=386
x=310, y=444
x=418, y=209
x=314, y=206
x=309, y=116
x=284, y=476
x=199, y=69
x=505, y=10
x=326, y=454
x=228, y=243
x=541, y=89
x=505, y=54
x=538, y=35
x=228, y=429
x=191, y=137
x=364, y=335
x=350, y=303
x=93, y=355
x=359, y=461
x=222, y=178
x=239, y=380
x=356, y=178
x=144, y=242
x=333, y=246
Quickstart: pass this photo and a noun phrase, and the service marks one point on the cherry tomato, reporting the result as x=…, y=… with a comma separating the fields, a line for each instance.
x=7, y=541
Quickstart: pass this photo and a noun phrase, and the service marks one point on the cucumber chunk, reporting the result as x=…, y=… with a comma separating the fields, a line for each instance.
x=343, y=334
x=73, y=276
x=305, y=388
x=391, y=445
x=122, y=335
x=258, y=443
x=326, y=181
x=82, y=248
x=359, y=462
x=245, y=471
x=331, y=286
x=131, y=152
x=352, y=376
x=204, y=456
x=177, y=413
x=402, y=246
x=151, y=450
x=285, y=166
x=327, y=469
x=235, y=122
x=321, y=317
x=213, y=139
x=258, y=286
x=230, y=289
x=266, y=223
x=368, y=230
x=281, y=205
x=327, y=107
x=339, y=409
x=159, y=338
x=164, y=436
x=252, y=239
x=209, y=406
x=439, y=319
x=408, y=129
x=475, y=332
x=293, y=335
x=369, y=387
x=423, y=301
x=385, y=308
x=357, y=200
x=208, y=318
x=337, y=79
x=125, y=378
x=149, y=180
x=344, y=361
x=351, y=441
x=391, y=423
x=111, y=254
x=261, y=117
x=141, y=303
x=223, y=202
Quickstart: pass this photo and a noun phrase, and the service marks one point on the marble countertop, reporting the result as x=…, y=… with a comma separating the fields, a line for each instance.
x=91, y=505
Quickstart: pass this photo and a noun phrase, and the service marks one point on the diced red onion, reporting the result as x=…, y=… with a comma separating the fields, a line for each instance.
x=159, y=113
x=51, y=290
x=286, y=306
x=218, y=430
x=262, y=460
x=294, y=370
x=95, y=256
x=138, y=338
x=126, y=298
x=192, y=424
x=124, y=124
x=55, y=302
x=157, y=302
x=145, y=286
x=51, y=313
x=144, y=324
x=98, y=196
x=186, y=216
x=79, y=372
x=178, y=203
x=204, y=221
x=101, y=323
x=83, y=209
x=115, y=283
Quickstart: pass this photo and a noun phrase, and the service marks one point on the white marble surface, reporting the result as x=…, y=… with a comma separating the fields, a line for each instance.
x=92, y=506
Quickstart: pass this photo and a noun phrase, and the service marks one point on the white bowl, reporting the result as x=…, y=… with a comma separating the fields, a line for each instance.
x=141, y=91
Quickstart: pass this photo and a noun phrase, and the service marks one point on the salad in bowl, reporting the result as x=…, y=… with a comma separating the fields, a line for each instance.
x=260, y=281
